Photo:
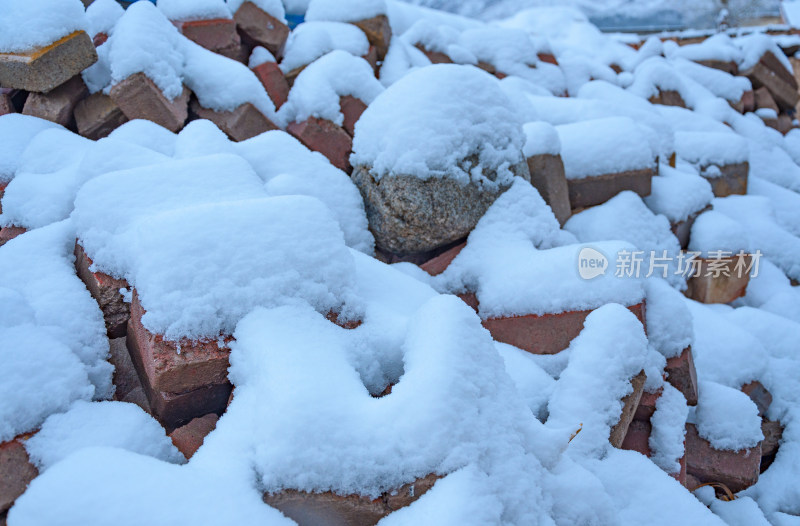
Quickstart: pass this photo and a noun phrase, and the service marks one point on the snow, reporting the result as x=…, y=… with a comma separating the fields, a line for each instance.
x=401, y=58
x=609, y=351
x=625, y=217
x=534, y=384
x=754, y=46
x=53, y=344
x=99, y=424
x=145, y=41
x=260, y=55
x=184, y=10
x=433, y=120
x=311, y=40
x=718, y=82
x=274, y=8
x=16, y=132
x=669, y=322
x=704, y=149
x=718, y=47
x=678, y=194
x=26, y=25
x=726, y=417
x=345, y=10
x=231, y=84
x=103, y=15
x=713, y=232
x=147, y=134
x=668, y=421
x=586, y=147
x=318, y=88
x=541, y=138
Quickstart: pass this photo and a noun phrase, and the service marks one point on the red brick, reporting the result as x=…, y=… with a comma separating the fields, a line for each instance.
x=682, y=375
x=545, y=334
x=591, y=191
x=139, y=98
x=351, y=108
x=7, y=233
x=647, y=405
x=549, y=58
x=99, y=39
x=746, y=104
x=6, y=106
x=683, y=229
x=2, y=192
x=720, y=289
x=638, y=437
x=312, y=509
x=125, y=378
x=726, y=66
x=436, y=57
x=379, y=33
x=218, y=35
x=629, y=405
x=736, y=469
x=259, y=28
x=325, y=137
x=105, y=291
x=97, y=116
x=437, y=265
x=732, y=181
x=372, y=57
x=45, y=68
x=274, y=82
x=179, y=385
x=16, y=471
x=668, y=98
x=764, y=99
x=759, y=395
x=470, y=298
x=681, y=476
x=58, y=104
x=547, y=176
x=241, y=124
x=773, y=433
x=190, y=437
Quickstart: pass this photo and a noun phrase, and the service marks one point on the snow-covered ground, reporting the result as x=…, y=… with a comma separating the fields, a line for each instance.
x=352, y=377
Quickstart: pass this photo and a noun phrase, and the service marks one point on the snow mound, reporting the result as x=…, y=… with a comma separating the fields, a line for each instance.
x=29, y=24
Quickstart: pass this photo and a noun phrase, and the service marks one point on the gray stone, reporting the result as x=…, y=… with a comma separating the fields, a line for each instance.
x=410, y=215
x=45, y=68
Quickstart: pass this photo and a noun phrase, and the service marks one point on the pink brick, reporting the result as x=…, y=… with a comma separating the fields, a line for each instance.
x=16, y=471
x=545, y=334
x=241, y=124
x=736, y=469
x=351, y=108
x=259, y=28
x=682, y=375
x=58, y=104
x=325, y=137
x=139, y=98
x=190, y=437
x=106, y=292
x=274, y=82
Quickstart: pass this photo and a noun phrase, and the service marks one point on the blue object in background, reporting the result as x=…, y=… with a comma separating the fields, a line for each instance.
x=294, y=20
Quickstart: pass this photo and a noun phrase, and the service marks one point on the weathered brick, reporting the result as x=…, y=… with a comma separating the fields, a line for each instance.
x=736, y=469
x=99, y=39
x=179, y=385
x=731, y=181
x=545, y=334
x=58, y=104
x=629, y=405
x=773, y=433
x=351, y=108
x=274, y=82
x=746, y=104
x=218, y=35
x=125, y=378
x=326, y=138
x=548, y=58
x=139, y=98
x=436, y=57
x=683, y=229
x=309, y=509
x=759, y=395
x=764, y=99
x=638, y=437
x=6, y=106
x=647, y=405
x=97, y=116
x=590, y=191
x=259, y=28
x=241, y=124
x=44, y=68
x=16, y=471
x=190, y=437
x=437, y=265
x=668, y=98
x=379, y=33
x=547, y=176
x=722, y=65
x=770, y=73
x=3, y=186
x=106, y=292
x=707, y=288
x=682, y=375
x=372, y=57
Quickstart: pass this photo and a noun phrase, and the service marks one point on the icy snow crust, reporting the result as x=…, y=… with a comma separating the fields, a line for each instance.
x=261, y=240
